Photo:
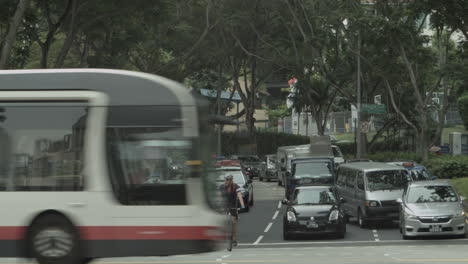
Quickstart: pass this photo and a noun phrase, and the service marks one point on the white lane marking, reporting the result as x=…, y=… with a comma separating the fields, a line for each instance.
x=376, y=235
x=268, y=227
x=346, y=242
x=258, y=240
x=219, y=260
x=275, y=215
x=226, y=256
x=279, y=204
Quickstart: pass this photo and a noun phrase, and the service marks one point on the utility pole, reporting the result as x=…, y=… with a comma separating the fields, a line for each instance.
x=358, y=95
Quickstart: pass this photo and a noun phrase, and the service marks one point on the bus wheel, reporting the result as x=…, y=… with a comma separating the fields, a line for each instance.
x=54, y=240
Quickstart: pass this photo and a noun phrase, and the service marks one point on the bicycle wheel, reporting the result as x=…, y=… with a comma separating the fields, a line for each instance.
x=230, y=234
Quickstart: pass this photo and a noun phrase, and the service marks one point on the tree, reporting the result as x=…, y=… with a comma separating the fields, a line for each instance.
x=8, y=42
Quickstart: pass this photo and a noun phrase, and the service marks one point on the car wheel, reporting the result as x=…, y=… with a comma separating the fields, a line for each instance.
x=361, y=222
x=286, y=235
x=52, y=239
x=260, y=178
x=280, y=183
x=345, y=217
x=251, y=203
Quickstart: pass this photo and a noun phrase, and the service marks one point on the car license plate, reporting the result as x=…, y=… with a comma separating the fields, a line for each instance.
x=435, y=228
x=312, y=225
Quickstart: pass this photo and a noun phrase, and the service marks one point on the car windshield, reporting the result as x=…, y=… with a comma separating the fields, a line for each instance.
x=312, y=170
x=386, y=180
x=221, y=175
x=432, y=194
x=317, y=196
x=420, y=174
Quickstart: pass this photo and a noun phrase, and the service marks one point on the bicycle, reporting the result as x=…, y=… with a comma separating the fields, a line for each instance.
x=230, y=233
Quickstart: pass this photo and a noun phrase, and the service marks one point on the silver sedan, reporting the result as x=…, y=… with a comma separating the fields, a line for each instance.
x=431, y=208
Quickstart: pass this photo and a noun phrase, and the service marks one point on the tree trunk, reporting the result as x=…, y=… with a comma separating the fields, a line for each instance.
x=69, y=38
x=12, y=30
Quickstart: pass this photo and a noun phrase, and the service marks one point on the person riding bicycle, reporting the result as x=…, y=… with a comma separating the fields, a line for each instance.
x=231, y=193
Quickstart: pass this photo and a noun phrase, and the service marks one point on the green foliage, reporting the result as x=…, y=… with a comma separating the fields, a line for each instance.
x=461, y=185
x=448, y=167
x=392, y=156
x=463, y=109
x=276, y=114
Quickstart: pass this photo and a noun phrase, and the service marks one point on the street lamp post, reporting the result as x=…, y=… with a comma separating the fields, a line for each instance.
x=358, y=101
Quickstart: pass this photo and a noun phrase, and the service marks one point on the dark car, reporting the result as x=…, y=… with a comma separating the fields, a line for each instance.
x=252, y=165
x=313, y=210
x=239, y=179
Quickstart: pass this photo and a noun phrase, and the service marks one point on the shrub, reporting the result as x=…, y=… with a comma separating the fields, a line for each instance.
x=392, y=156
x=448, y=167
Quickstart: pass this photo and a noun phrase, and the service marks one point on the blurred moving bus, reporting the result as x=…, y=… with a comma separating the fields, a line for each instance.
x=102, y=163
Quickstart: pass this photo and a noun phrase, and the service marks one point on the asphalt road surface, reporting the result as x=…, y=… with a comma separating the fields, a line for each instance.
x=261, y=241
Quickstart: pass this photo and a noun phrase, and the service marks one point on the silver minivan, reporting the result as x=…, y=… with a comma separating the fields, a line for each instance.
x=370, y=190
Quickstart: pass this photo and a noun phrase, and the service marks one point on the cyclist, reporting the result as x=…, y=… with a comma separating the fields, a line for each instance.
x=231, y=193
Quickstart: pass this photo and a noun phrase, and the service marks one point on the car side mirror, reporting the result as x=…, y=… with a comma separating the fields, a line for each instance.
x=399, y=200
x=284, y=201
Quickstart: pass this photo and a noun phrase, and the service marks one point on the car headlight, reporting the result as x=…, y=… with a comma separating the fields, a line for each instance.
x=409, y=215
x=371, y=203
x=334, y=215
x=460, y=214
x=291, y=216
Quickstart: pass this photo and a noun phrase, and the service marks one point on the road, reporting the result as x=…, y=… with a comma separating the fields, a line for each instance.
x=260, y=238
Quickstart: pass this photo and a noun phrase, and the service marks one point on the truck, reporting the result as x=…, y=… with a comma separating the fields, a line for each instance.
x=312, y=164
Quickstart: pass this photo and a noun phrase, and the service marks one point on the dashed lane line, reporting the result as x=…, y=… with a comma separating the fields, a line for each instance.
x=268, y=227
x=258, y=240
x=275, y=215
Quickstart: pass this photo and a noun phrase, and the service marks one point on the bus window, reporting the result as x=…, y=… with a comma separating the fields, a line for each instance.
x=35, y=154
x=148, y=156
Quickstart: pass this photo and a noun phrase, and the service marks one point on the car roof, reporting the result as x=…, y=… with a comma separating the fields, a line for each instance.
x=430, y=183
x=371, y=166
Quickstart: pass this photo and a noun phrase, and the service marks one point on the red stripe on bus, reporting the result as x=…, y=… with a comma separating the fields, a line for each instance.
x=12, y=232
x=149, y=233
x=129, y=232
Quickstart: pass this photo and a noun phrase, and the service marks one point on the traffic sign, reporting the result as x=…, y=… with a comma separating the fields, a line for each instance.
x=374, y=108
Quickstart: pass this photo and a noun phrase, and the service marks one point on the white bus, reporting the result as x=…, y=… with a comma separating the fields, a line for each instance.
x=102, y=163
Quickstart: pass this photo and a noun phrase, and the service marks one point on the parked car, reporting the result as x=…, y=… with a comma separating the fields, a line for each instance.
x=430, y=208
x=251, y=164
x=371, y=190
x=417, y=171
x=339, y=158
x=240, y=179
x=270, y=168
x=313, y=210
